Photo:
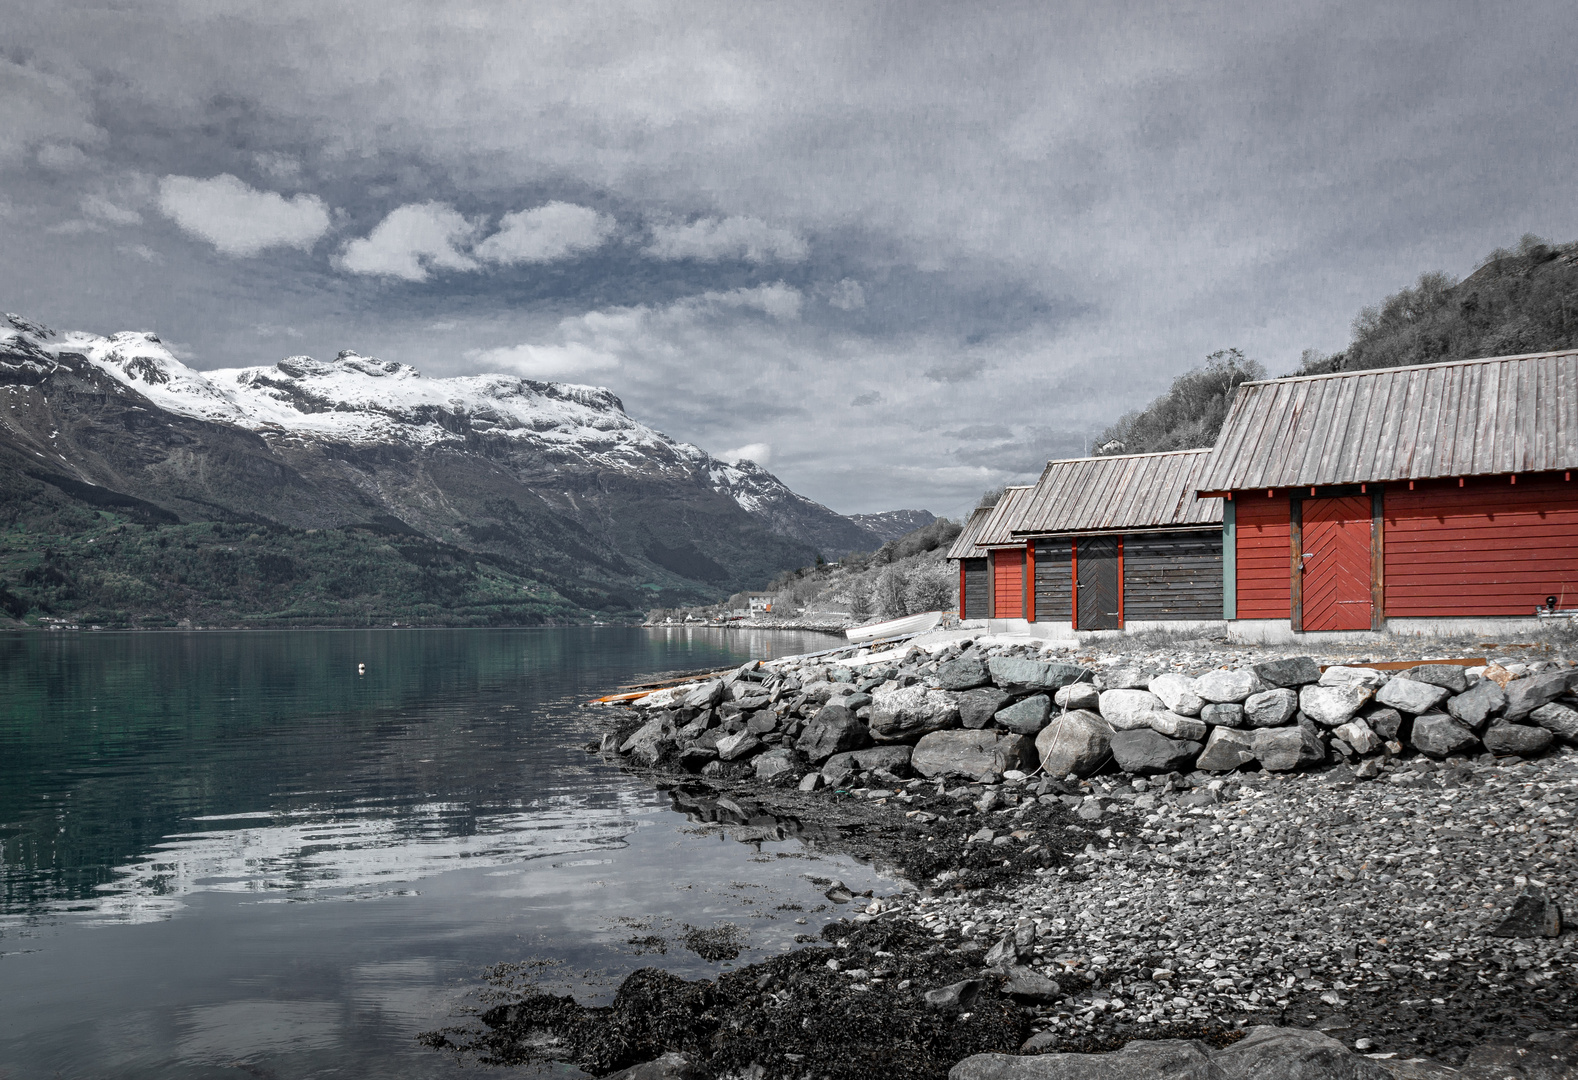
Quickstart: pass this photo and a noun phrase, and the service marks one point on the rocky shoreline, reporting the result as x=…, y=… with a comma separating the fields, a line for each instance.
x=1384, y=871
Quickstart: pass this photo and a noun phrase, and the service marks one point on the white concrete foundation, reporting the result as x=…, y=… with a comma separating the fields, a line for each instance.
x=1280, y=631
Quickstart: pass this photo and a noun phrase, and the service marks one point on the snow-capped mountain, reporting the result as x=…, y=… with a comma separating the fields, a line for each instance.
x=491, y=462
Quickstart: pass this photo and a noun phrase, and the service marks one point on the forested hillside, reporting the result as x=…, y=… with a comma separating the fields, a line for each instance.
x=1517, y=301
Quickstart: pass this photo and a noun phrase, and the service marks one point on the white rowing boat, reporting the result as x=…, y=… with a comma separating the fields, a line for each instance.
x=909, y=624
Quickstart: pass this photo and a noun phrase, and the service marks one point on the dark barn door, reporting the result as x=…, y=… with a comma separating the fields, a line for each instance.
x=1098, y=583
x=977, y=589
x=1336, y=563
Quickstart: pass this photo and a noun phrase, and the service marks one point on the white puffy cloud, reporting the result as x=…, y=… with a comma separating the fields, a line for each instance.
x=759, y=452
x=565, y=361
x=548, y=232
x=711, y=239
x=411, y=241
x=239, y=219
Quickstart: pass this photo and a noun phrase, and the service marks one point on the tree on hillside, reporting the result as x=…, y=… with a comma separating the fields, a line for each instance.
x=1191, y=412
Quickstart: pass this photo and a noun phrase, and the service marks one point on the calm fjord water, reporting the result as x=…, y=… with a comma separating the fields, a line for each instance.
x=229, y=854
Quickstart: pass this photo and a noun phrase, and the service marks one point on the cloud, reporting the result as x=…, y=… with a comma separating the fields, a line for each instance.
x=281, y=167
x=140, y=251
x=954, y=371
x=99, y=208
x=44, y=108
x=847, y=295
x=549, y=232
x=712, y=239
x=869, y=398
x=241, y=220
x=759, y=452
x=412, y=241
x=544, y=361
x=63, y=157
x=981, y=432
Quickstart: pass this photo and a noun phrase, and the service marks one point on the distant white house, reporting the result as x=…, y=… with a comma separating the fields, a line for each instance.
x=761, y=603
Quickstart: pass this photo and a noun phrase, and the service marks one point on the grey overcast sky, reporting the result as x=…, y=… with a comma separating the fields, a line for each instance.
x=899, y=252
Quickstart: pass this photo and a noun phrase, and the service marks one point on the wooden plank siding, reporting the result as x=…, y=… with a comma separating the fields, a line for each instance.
x=1008, y=576
x=977, y=596
x=1262, y=528
x=1172, y=576
x=1054, y=580
x=1487, y=548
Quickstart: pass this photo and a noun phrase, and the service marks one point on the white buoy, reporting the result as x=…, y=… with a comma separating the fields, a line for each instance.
x=361, y=669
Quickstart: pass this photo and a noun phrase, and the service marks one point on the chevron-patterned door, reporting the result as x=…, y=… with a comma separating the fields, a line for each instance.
x=1098, y=583
x=1336, y=564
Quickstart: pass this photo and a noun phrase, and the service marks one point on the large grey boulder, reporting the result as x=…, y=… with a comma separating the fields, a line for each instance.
x=1478, y=704
x=1271, y=708
x=706, y=695
x=1026, y=717
x=671, y=1066
x=1525, y=740
x=1220, y=714
x=907, y=713
x=1076, y=742
x=831, y=731
x=1125, y=677
x=1337, y=675
x=1285, y=1053
x=1292, y=673
x=1228, y=687
x=1145, y=752
x=739, y=746
x=977, y=707
x=1314, y=750
x=1174, y=726
x=965, y=673
x=1454, y=677
x=1530, y=692
x=1126, y=709
x=1437, y=735
x=779, y=761
x=1333, y=705
x=1178, y=693
x=1029, y=985
x=651, y=742
x=1558, y=719
x=1142, y=1059
x=1227, y=749
x=1017, y=675
x=893, y=759
x=1410, y=696
x=1387, y=723
x=982, y=756
x=1078, y=695
x=1278, y=749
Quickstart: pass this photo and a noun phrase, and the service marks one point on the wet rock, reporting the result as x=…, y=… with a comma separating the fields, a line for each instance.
x=1453, y=677
x=1228, y=687
x=982, y=756
x=1178, y=693
x=651, y=742
x=1127, y=709
x=893, y=759
x=774, y=763
x=1476, y=706
x=1177, y=727
x=1438, y=735
x=1332, y=705
x=740, y=746
x=1029, y=985
x=1278, y=749
x=1534, y=914
x=1558, y=719
x=1271, y=708
x=1410, y=696
x=959, y=995
x=1525, y=740
x=1080, y=695
x=1018, y=676
x=1530, y=692
x=1026, y=717
x=1223, y=715
x=965, y=673
x=1148, y=1059
x=905, y=714
x=977, y=707
x=832, y=731
x=1226, y=750
x=671, y=1066
x=695, y=758
x=1291, y=673
x=1076, y=742
x=1145, y=752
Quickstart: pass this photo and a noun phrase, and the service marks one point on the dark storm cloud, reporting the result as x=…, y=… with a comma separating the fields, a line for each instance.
x=825, y=230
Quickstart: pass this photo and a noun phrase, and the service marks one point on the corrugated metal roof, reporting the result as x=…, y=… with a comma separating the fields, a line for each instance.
x=1128, y=491
x=1504, y=414
x=998, y=529
x=964, y=544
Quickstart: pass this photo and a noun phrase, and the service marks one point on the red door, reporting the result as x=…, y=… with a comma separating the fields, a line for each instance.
x=1008, y=583
x=1336, y=564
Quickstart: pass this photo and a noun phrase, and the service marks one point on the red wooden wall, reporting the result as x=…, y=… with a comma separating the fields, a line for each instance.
x=1488, y=548
x=1262, y=551
x=1008, y=583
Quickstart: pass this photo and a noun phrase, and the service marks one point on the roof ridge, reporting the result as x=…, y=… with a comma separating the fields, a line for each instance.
x=1407, y=367
x=1147, y=453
